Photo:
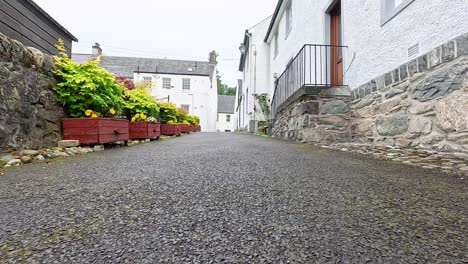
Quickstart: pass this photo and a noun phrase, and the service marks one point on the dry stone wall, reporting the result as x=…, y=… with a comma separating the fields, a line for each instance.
x=321, y=118
x=422, y=104
x=29, y=114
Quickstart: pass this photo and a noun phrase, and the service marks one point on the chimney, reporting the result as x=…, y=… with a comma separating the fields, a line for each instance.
x=96, y=50
x=213, y=58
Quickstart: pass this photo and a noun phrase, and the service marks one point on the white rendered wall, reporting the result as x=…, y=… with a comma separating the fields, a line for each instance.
x=380, y=49
x=223, y=125
x=202, y=96
x=255, y=75
x=373, y=49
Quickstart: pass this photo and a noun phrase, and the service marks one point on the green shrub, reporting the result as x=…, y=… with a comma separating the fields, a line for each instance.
x=86, y=86
x=168, y=113
x=140, y=101
x=182, y=116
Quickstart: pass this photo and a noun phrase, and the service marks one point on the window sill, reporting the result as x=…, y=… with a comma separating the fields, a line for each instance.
x=386, y=15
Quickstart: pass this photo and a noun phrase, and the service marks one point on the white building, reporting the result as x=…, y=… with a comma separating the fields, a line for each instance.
x=226, y=121
x=254, y=65
x=189, y=84
x=377, y=37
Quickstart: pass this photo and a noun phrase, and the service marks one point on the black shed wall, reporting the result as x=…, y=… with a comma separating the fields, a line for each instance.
x=24, y=21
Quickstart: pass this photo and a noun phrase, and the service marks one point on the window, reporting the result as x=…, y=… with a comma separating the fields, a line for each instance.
x=167, y=83
x=147, y=81
x=185, y=84
x=289, y=18
x=186, y=108
x=276, y=44
x=228, y=118
x=391, y=8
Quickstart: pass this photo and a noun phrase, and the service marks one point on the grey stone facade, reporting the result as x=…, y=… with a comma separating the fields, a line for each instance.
x=423, y=104
x=316, y=118
x=29, y=114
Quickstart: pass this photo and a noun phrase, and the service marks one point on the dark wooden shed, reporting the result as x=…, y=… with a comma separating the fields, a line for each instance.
x=28, y=23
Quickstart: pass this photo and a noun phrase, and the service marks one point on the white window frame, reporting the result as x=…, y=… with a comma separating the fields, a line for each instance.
x=228, y=118
x=389, y=9
x=186, y=107
x=288, y=19
x=166, y=83
x=185, y=84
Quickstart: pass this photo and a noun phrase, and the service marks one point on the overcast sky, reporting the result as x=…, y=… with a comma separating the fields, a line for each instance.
x=176, y=29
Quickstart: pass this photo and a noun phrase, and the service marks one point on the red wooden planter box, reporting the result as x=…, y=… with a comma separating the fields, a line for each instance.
x=144, y=130
x=193, y=128
x=185, y=128
x=95, y=130
x=170, y=129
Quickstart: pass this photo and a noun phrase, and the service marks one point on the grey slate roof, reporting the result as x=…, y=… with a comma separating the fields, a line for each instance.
x=127, y=66
x=226, y=104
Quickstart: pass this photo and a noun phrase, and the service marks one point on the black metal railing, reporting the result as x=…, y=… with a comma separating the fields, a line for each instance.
x=310, y=67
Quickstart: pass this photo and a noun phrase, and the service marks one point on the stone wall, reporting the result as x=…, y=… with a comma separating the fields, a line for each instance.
x=29, y=114
x=422, y=104
x=324, y=118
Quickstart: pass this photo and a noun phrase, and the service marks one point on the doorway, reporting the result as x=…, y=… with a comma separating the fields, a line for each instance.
x=336, y=41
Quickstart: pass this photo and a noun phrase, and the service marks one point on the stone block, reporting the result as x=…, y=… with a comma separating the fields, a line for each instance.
x=68, y=143
x=404, y=72
x=435, y=57
x=373, y=85
x=387, y=106
x=388, y=79
x=368, y=89
x=452, y=113
x=421, y=108
x=98, y=148
x=362, y=91
x=422, y=63
x=420, y=126
x=307, y=107
x=392, y=125
x=412, y=67
x=396, y=75
x=394, y=92
x=380, y=81
x=334, y=107
x=364, y=102
x=448, y=51
x=462, y=45
x=442, y=81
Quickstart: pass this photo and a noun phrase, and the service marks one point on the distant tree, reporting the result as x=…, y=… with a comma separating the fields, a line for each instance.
x=224, y=89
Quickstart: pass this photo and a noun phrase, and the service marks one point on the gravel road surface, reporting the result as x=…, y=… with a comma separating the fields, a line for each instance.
x=230, y=198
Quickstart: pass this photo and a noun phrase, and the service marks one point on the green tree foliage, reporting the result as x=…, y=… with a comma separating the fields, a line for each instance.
x=168, y=113
x=224, y=89
x=85, y=86
x=140, y=101
x=182, y=115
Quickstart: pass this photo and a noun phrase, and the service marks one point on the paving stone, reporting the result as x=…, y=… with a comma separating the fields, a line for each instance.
x=68, y=143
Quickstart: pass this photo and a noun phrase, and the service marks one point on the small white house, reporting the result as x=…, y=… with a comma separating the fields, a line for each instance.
x=226, y=120
x=350, y=42
x=191, y=85
x=254, y=65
